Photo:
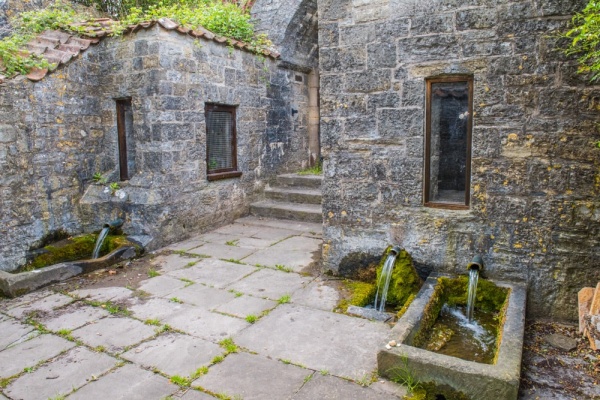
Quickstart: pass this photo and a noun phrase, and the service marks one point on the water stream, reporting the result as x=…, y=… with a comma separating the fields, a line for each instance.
x=383, y=284
x=99, y=241
x=473, y=278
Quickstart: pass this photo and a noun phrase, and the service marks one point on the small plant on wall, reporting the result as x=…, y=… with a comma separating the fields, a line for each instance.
x=584, y=37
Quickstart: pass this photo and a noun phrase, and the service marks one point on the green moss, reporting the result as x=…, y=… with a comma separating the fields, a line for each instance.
x=361, y=294
x=72, y=249
x=405, y=281
x=489, y=296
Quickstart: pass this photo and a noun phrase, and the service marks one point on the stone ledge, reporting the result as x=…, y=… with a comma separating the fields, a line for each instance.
x=14, y=285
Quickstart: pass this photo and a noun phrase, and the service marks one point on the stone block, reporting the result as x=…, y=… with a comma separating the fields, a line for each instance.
x=30, y=353
x=204, y=324
x=14, y=332
x=174, y=354
x=114, y=333
x=372, y=80
x=68, y=372
x=127, y=382
x=270, y=284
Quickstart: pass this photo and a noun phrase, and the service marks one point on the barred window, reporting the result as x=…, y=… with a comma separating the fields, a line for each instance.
x=449, y=111
x=221, y=142
x=125, y=138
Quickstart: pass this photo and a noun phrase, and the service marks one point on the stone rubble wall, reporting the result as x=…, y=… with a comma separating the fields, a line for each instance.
x=535, y=208
x=56, y=133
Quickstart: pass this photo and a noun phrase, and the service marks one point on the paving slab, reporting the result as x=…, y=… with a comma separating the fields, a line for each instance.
x=254, y=243
x=114, y=333
x=7, y=304
x=161, y=285
x=114, y=294
x=73, y=316
x=331, y=388
x=205, y=324
x=271, y=257
x=274, y=235
x=271, y=284
x=246, y=305
x=203, y=296
x=156, y=308
x=174, y=354
x=43, y=305
x=223, y=251
x=12, y=332
x=187, y=244
x=27, y=354
x=238, y=229
x=299, y=243
x=299, y=226
x=320, y=340
x=196, y=395
x=221, y=238
x=249, y=377
x=214, y=272
x=2, y=397
x=317, y=294
x=172, y=262
x=129, y=382
x=61, y=376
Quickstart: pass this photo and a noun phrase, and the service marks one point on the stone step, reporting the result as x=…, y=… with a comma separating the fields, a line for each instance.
x=285, y=210
x=294, y=195
x=310, y=181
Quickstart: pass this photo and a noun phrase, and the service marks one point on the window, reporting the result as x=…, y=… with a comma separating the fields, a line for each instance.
x=125, y=139
x=449, y=111
x=221, y=147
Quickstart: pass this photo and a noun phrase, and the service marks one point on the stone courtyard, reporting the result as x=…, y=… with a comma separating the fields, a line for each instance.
x=233, y=313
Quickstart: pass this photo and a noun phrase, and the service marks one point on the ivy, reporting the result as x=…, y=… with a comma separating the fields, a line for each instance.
x=584, y=39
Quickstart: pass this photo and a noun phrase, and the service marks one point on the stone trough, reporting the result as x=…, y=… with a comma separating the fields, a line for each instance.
x=474, y=380
x=13, y=285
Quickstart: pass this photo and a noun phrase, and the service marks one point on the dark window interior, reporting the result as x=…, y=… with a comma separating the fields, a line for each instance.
x=448, y=142
x=125, y=138
x=221, y=142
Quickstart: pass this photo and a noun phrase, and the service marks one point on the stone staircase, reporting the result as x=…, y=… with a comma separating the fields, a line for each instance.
x=296, y=197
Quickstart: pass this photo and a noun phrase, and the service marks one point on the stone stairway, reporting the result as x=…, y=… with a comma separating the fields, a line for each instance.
x=296, y=197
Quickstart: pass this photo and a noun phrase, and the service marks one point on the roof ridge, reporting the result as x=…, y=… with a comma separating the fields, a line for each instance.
x=60, y=47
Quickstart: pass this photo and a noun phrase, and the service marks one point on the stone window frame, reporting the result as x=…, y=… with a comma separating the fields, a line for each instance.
x=223, y=173
x=426, y=183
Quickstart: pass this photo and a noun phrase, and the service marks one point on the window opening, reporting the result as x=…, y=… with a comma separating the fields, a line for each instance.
x=125, y=140
x=221, y=142
x=449, y=111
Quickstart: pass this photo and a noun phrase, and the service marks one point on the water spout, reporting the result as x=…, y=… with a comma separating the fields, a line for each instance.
x=100, y=240
x=474, y=267
x=383, y=284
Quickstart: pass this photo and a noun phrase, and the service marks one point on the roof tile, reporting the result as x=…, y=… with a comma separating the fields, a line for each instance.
x=59, y=47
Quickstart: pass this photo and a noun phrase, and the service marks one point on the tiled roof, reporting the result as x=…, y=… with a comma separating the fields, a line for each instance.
x=59, y=47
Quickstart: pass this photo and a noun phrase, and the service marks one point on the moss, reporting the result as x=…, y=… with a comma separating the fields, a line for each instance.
x=360, y=294
x=430, y=314
x=404, y=281
x=76, y=248
x=489, y=296
x=405, y=306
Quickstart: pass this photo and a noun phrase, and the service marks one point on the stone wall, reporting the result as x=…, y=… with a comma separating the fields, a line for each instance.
x=57, y=133
x=535, y=209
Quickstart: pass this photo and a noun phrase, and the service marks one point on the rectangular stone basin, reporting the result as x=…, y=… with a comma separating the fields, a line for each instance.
x=475, y=380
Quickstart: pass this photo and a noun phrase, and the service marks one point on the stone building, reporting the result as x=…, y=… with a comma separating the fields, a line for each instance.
x=139, y=110
x=456, y=128
x=451, y=128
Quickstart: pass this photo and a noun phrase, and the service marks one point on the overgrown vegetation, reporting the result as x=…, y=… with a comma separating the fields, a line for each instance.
x=225, y=18
x=584, y=39
x=72, y=249
x=316, y=169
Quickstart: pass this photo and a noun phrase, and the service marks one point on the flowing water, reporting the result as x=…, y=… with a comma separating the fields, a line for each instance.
x=383, y=284
x=473, y=340
x=99, y=241
x=473, y=278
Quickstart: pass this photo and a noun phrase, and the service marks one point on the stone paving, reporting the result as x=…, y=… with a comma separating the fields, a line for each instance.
x=231, y=313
